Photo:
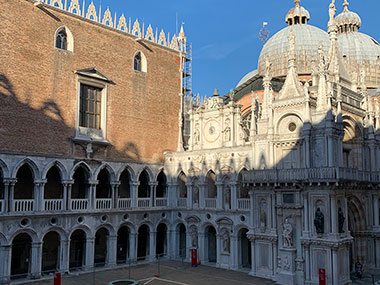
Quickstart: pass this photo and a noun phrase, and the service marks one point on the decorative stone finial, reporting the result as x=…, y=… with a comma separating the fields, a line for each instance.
x=345, y=5
x=297, y=3
x=216, y=92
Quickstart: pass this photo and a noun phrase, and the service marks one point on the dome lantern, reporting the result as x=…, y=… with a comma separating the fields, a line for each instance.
x=297, y=15
x=348, y=21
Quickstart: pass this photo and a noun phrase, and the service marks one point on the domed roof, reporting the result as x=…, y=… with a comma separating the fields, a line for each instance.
x=358, y=49
x=348, y=20
x=307, y=40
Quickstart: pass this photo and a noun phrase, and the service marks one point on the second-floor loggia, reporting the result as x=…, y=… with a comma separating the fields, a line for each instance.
x=212, y=192
x=27, y=193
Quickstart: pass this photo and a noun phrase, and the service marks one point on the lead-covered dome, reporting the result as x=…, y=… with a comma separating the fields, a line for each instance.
x=359, y=50
x=307, y=40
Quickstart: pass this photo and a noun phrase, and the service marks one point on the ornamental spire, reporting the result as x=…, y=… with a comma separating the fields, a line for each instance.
x=297, y=3
x=345, y=5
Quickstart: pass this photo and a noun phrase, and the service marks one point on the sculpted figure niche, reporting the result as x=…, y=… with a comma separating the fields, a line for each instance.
x=287, y=234
x=319, y=222
x=341, y=219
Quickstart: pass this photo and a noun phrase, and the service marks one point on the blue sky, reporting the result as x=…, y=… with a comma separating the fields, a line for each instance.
x=224, y=33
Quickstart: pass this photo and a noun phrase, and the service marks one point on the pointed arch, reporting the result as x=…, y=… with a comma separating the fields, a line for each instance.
x=59, y=165
x=131, y=173
x=140, y=62
x=4, y=169
x=106, y=166
x=63, y=39
x=148, y=171
x=33, y=166
x=78, y=165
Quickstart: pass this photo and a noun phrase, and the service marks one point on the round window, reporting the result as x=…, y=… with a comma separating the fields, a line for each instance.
x=292, y=127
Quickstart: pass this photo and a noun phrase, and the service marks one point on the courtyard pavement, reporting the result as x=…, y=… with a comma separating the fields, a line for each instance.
x=170, y=272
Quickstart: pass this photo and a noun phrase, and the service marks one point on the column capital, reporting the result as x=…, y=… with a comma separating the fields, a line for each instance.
x=135, y=183
x=40, y=182
x=10, y=181
x=93, y=182
x=153, y=183
x=67, y=182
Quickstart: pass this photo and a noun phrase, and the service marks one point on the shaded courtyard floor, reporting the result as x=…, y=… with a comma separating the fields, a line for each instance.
x=170, y=272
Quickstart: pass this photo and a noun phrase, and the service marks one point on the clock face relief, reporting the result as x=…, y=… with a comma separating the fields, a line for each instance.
x=211, y=131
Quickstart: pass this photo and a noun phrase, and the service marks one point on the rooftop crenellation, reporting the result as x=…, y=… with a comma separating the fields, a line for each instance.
x=120, y=23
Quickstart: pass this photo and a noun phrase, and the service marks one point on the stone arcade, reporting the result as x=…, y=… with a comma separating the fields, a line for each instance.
x=280, y=177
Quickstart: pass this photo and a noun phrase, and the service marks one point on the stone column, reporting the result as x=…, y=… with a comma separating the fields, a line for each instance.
x=234, y=252
x=153, y=186
x=334, y=229
x=307, y=262
x=132, y=247
x=330, y=151
x=372, y=156
x=335, y=273
x=377, y=250
x=252, y=218
x=189, y=190
x=112, y=249
x=171, y=244
x=115, y=194
x=6, y=197
x=234, y=204
x=11, y=189
x=90, y=251
x=92, y=194
x=64, y=256
x=219, y=239
x=36, y=260
x=307, y=151
x=376, y=210
x=152, y=245
x=201, y=247
x=220, y=196
x=135, y=193
x=171, y=195
x=253, y=256
x=306, y=214
x=202, y=195
x=5, y=257
x=39, y=196
x=67, y=186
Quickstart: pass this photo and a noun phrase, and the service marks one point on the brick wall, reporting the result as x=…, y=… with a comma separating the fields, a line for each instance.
x=38, y=94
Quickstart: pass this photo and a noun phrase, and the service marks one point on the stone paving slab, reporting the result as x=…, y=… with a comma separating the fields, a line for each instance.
x=171, y=272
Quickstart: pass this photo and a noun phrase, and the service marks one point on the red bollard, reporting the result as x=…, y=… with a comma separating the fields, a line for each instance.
x=57, y=278
x=322, y=276
x=194, y=257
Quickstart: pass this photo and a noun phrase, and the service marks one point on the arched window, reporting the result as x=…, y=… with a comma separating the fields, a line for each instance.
x=64, y=39
x=139, y=62
x=61, y=39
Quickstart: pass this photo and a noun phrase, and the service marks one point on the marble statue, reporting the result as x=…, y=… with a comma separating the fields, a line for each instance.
x=319, y=222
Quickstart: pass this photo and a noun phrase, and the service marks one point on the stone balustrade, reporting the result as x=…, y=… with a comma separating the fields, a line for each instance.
x=325, y=174
x=53, y=205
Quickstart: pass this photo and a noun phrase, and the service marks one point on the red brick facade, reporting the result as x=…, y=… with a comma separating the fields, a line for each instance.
x=38, y=86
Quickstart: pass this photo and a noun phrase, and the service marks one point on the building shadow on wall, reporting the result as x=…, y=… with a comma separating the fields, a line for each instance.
x=44, y=129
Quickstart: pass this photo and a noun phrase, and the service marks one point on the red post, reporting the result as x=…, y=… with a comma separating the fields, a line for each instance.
x=194, y=257
x=322, y=276
x=57, y=278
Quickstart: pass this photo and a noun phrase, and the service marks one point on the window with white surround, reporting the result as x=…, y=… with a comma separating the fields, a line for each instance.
x=63, y=39
x=139, y=62
x=92, y=87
